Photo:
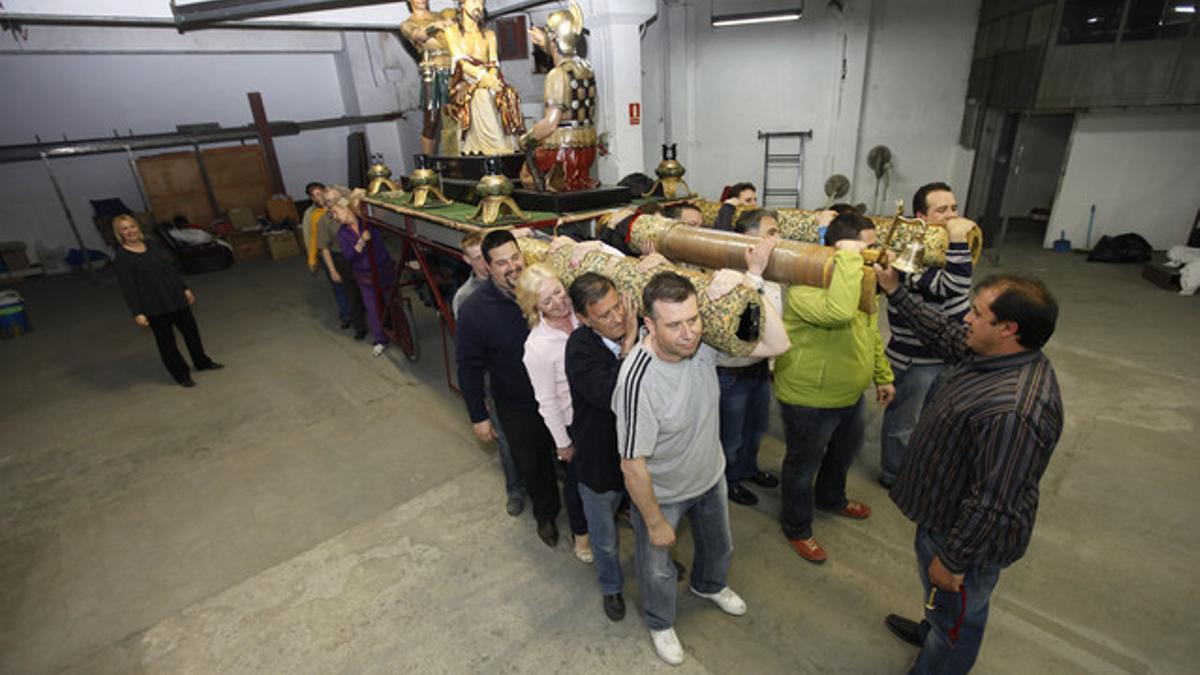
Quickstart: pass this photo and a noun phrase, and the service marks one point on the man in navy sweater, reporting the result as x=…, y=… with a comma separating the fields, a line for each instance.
x=491, y=339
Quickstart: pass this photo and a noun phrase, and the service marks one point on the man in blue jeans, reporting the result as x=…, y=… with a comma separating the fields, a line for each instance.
x=746, y=381
x=947, y=289
x=836, y=354
x=666, y=405
x=970, y=477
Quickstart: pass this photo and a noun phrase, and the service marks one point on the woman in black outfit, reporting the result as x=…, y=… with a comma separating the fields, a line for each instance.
x=159, y=299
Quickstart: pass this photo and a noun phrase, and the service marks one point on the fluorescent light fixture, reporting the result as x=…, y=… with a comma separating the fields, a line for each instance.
x=770, y=16
x=1184, y=9
x=1093, y=19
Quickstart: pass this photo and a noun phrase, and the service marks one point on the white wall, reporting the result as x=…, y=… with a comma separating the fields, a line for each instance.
x=916, y=89
x=1139, y=168
x=904, y=81
x=90, y=95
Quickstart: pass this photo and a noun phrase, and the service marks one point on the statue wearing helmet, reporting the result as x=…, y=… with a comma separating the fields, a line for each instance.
x=565, y=138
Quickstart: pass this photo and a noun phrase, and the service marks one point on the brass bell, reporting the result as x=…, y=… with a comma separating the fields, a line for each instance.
x=912, y=257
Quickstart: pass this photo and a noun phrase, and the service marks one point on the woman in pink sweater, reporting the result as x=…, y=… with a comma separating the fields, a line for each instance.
x=547, y=308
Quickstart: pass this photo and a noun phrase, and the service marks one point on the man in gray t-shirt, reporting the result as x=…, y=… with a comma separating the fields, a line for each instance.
x=667, y=406
x=677, y=434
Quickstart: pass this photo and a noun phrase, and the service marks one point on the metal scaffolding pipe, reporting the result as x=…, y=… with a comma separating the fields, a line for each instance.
x=62, y=199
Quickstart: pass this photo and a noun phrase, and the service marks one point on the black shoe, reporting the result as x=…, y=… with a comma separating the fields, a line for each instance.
x=614, y=607
x=212, y=365
x=905, y=629
x=186, y=382
x=886, y=483
x=344, y=324
x=548, y=532
x=765, y=479
x=680, y=570
x=741, y=495
x=360, y=334
x=515, y=505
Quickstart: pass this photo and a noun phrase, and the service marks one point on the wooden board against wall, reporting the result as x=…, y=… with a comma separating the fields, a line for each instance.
x=174, y=185
x=239, y=177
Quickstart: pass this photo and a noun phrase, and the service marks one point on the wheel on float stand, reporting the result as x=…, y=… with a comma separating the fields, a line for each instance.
x=401, y=326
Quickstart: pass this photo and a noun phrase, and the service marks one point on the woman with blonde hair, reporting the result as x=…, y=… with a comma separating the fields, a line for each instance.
x=159, y=299
x=547, y=308
x=370, y=263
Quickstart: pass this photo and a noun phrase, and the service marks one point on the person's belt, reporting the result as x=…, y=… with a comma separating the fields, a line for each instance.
x=743, y=370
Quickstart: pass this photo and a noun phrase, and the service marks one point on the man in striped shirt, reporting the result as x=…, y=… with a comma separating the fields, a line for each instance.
x=666, y=404
x=970, y=478
x=915, y=366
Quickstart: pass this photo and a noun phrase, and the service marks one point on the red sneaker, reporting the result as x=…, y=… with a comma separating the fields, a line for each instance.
x=808, y=549
x=856, y=510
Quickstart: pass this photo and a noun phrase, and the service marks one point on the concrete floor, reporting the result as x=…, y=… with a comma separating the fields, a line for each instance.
x=311, y=509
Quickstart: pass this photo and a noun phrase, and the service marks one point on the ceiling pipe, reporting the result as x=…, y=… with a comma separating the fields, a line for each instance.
x=208, y=14
x=8, y=19
x=98, y=146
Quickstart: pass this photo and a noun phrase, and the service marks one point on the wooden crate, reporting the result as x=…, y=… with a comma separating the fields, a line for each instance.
x=247, y=244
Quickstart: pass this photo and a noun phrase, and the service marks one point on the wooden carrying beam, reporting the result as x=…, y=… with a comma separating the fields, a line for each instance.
x=801, y=225
x=791, y=262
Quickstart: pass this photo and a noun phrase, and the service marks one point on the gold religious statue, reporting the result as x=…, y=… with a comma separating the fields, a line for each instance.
x=487, y=108
x=426, y=32
x=564, y=140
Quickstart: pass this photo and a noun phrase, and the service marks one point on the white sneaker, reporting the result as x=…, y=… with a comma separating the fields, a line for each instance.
x=726, y=599
x=666, y=643
x=378, y=349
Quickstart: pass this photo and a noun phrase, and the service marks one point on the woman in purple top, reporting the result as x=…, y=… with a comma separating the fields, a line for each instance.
x=372, y=266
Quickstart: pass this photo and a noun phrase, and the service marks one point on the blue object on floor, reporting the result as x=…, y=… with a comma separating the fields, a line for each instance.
x=75, y=259
x=1063, y=245
x=13, y=321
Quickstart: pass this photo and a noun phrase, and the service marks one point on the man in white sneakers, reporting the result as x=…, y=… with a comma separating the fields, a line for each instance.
x=668, y=433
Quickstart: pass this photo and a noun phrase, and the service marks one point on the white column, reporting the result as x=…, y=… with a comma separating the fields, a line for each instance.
x=614, y=48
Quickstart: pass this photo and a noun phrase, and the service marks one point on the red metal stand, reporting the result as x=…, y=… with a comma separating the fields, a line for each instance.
x=414, y=249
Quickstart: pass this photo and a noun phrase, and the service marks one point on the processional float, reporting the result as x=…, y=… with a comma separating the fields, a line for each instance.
x=515, y=173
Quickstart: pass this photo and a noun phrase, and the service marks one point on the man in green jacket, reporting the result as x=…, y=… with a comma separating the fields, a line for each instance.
x=836, y=354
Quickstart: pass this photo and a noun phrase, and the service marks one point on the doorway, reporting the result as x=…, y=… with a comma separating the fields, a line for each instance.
x=1017, y=173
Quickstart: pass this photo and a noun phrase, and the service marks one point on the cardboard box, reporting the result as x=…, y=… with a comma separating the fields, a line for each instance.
x=1161, y=275
x=13, y=257
x=282, y=245
x=243, y=218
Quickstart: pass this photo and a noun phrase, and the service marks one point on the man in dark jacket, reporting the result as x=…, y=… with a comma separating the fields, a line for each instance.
x=491, y=339
x=593, y=359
